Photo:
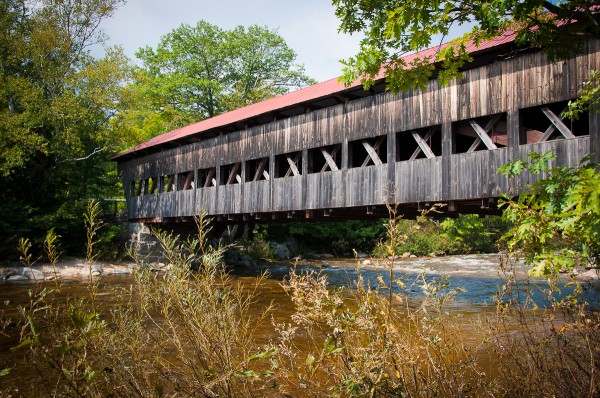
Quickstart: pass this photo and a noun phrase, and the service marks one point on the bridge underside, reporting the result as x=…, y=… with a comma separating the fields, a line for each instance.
x=348, y=159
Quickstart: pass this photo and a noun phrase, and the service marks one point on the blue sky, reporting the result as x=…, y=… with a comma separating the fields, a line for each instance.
x=308, y=26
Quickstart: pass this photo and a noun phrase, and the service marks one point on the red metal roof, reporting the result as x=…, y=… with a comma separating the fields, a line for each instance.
x=307, y=94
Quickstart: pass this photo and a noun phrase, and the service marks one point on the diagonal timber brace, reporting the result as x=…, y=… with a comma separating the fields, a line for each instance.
x=372, y=151
x=329, y=159
x=556, y=122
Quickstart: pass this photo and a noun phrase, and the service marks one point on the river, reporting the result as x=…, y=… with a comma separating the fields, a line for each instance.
x=478, y=277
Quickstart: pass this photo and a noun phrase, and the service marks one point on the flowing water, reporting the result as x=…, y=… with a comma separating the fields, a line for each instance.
x=478, y=277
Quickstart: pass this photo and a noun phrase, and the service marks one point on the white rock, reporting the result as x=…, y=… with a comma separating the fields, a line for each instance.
x=406, y=255
x=118, y=271
x=367, y=262
x=591, y=274
x=17, y=278
x=413, y=256
x=32, y=274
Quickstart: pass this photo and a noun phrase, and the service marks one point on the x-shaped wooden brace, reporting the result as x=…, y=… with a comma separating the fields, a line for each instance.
x=210, y=178
x=171, y=183
x=329, y=159
x=260, y=170
x=372, y=151
x=423, y=146
x=233, y=175
x=482, y=134
x=557, y=123
x=293, y=163
x=189, y=180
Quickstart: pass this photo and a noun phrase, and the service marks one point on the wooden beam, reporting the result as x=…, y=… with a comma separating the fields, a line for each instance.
x=417, y=151
x=372, y=151
x=487, y=129
x=483, y=135
x=293, y=165
x=233, y=174
x=188, y=180
x=170, y=183
x=558, y=123
x=210, y=177
x=548, y=133
x=329, y=159
x=260, y=170
x=423, y=145
x=153, y=186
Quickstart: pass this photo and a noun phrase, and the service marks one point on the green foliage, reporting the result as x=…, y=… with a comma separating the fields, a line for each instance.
x=201, y=71
x=589, y=97
x=556, y=221
x=471, y=234
x=259, y=248
x=393, y=29
x=462, y=235
x=339, y=237
x=55, y=103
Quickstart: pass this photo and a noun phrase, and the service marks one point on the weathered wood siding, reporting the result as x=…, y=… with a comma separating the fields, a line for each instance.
x=504, y=87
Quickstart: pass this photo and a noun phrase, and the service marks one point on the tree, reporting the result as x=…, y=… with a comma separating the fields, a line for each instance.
x=556, y=221
x=395, y=28
x=55, y=103
x=201, y=71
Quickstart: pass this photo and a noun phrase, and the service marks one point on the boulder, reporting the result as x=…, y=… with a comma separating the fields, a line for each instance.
x=361, y=255
x=280, y=250
x=97, y=268
x=587, y=275
x=325, y=264
x=367, y=262
x=17, y=278
x=32, y=274
x=119, y=271
x=406, y=255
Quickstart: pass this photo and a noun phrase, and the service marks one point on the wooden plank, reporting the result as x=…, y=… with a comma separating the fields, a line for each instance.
x=293, y=165
x=487, y=128
x=189, y=179
x=483, y=135
x=372, y=151
x=260, y=170
x=233, y=174
x=210, y=177
x=423, y=145
x=171, y=183
x=556, y=121
x=329, y=159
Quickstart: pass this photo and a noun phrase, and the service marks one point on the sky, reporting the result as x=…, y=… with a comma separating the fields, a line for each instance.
x=308, y=26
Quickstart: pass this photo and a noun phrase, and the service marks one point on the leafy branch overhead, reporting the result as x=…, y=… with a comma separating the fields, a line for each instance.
x=394, y=29
x=557, y=220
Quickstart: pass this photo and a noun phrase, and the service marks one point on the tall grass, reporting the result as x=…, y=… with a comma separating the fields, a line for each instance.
x=194, y=332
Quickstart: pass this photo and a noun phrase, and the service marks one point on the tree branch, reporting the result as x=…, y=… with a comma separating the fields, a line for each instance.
x=97, y=150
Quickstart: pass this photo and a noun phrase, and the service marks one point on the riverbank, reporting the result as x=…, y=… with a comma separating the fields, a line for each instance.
x=66, y=268
x=475, y=265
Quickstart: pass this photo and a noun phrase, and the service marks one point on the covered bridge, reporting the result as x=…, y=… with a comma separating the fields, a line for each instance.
x=343, y=152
